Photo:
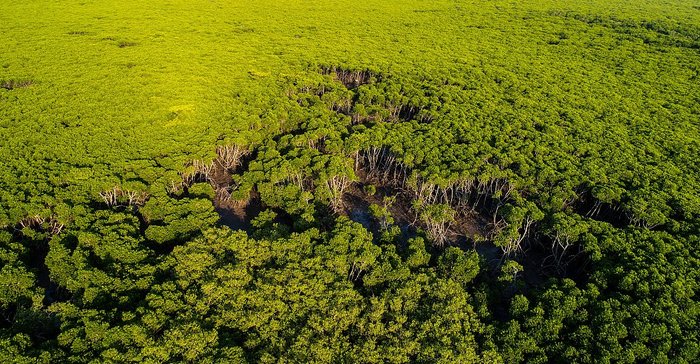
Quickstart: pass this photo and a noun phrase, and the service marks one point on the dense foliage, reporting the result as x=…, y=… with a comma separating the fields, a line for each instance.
x=401, y=181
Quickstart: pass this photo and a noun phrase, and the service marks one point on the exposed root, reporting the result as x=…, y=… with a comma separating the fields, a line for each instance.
x=40, y=223
x=117, y=196
x=337, y=185
x=230, y=156
x=349, y=78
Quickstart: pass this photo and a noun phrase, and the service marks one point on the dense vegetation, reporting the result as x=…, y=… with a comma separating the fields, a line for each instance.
x=398, y=181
